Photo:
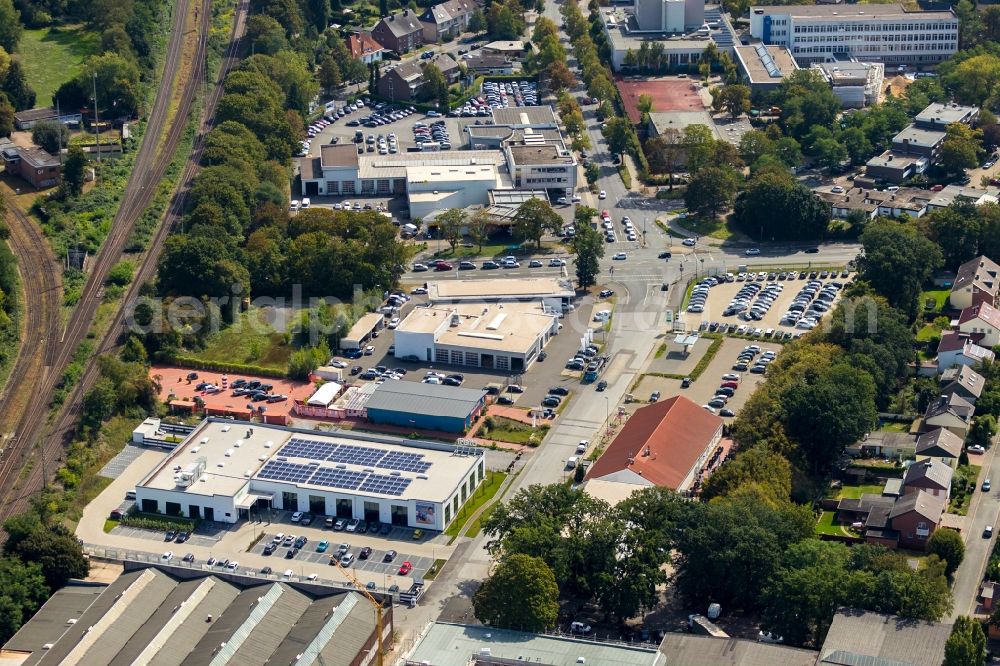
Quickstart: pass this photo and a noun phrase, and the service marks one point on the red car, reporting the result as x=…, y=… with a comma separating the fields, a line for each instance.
x=405, y=568
x=443, y=266
x=606, y=215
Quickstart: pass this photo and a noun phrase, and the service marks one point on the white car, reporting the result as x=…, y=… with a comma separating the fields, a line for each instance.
x=338, y=364
x=167, y=556
x=312, y=576
x=688, y=242
x=369, y=350
x=576, y=198
x=295, y=205
x=431, y=380
x=752, y=251
x=418, y=290
x=394, y=322
x=619, y=256
x=836, y=189
x=288, y=573
x=603, y=315
x=233, y=566
x=306, y=202
x=602, y=195
x=297, y=516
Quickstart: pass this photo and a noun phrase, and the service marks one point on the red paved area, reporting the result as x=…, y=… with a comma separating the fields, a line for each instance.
x=179, y=393
x=668, y=94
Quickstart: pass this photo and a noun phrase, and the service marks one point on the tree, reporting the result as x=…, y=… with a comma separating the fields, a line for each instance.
x=759, y=467
x=966, y=646
x=6, y=116
x=984, y=428
x=735, y=99
x=329, y=74
x=956, y=230
x=57, y=552
x=477, y=22
x=829, y=152
x=645, y=104
x=665, y=153
x=265, y=34
x=589, y=248
x=521, y=593
x=50, y=135
x=435, y=87
x=806, y=101
x=16, y=87
x=616, y=132
x=960, y=148
x=949, y=546
x=22, y=592
x=451, y=222
x=829, y=410
x=711, y=190
x=897, y=261
x=974, y=80
x=560, y=76
x=479, y=227
x=535, y=217
x=10, y=26
x=74, y=170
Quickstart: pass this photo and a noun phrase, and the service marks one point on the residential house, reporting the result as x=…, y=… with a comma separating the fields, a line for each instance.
x=976, y=196
x=363, y=47
x=964, y=381
x=909, y=523
x=666, y=444
x=885, y=444
x=860, y=637
x=905, y=201
x=958, y=349
x=949, y=411
x=446, y=20
x=490, y=64
x=929, y=475
x=982, y=324
x=977, y=280
x=31, y=164
x=400, y=32
x=403, y=81
x=940, y=444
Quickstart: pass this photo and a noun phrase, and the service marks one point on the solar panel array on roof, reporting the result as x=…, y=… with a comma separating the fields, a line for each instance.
x=767, y=61
x=356, y=455
x=279, y=470
x=385, y=485
x=337, y=478
x=405, y=462
x=308, y=448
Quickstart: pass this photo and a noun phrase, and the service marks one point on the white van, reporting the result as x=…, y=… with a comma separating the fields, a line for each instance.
x=306, y=203
x=571, y=462
x=295, y=205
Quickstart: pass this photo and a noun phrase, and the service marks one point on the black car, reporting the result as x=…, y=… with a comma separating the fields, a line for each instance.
x=542, y=356
x=811, y=250
x=365, y=553
x=356, y=370
x=488, y=265
x=270, y=548
x=183, y=536
x=601, y=385
x=451, y=381
x=505, y=400
x=558, y=390
x=606, y=293
x=291, y=553
x=686, y=382
x=389, y=556
x=238, y=383
x=550, y=401
x=663, y=255
x=266, y=570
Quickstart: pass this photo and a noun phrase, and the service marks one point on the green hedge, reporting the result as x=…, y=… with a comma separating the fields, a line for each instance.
x=625, y=175
x=218, y=366
x=147, y=521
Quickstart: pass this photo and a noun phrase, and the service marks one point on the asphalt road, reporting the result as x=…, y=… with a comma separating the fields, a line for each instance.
x=984, y=510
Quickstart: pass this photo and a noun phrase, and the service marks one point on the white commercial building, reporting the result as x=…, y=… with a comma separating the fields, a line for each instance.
x=504, y=336
x=225, y=470
x=552, y=292
x=884, y=33
x=683, y=28
x=855, y=84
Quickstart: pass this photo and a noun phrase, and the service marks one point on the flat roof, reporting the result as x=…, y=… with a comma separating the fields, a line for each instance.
x=919, y=137
x=395, y=166
x=680, y=120
x=427, y=399
x=623, y=32
x=451, y=174
x=237, y=453
x=510, y=327
x=945, y=113
x=525, y=116
x=365, y=325
x=756, y=59
x=841, y=12
x=344, y=155
x=446, y=644
x=546, y=153
x=498, y=288
x=890, y=159
x=844, y=72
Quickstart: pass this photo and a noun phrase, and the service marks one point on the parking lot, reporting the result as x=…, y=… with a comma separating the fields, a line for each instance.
x=717, y=315
x=372, y=569
x=703, y=389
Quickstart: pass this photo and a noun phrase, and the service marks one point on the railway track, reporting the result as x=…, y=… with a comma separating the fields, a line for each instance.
x=40, y=284
x=151, y=163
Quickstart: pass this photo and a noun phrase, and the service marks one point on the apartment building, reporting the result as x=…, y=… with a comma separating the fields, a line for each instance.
x=538, y=164
x=447, y=19
x=400, y=32
x=883, y=33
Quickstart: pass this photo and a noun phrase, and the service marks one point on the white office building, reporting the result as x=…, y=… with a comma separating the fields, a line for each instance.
x=227, y=470
x=870, y=32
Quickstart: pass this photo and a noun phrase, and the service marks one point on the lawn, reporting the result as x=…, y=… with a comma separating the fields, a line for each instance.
x=52, y=56
x=484, y=493
x=827, y=525
x=940, y=297
x=855, y=492
x=248, y=342
x=928, y=332
x=895, y=426
x=961, y=493
x=717, y=228
x=508, y=430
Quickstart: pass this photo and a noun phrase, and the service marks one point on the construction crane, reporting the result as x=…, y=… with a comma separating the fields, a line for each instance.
x=374, y=602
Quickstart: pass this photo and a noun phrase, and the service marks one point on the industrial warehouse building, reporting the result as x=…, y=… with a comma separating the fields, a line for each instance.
x=225, y=470
x=187, y=616
x=425, y=406
x=552, y=292
x=504, y=336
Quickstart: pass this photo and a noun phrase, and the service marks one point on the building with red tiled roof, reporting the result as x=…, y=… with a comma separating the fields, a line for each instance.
x=982, y=323
x=363, y=47
x=664, y=444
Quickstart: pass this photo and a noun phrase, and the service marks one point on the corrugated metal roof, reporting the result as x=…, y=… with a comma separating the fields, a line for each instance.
x=691, y=650
x=427, y=399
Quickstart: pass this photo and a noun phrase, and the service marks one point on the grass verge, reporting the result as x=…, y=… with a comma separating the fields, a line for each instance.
x=939, y=298
x=511, y=431
x=484, y=494
x=248, y=341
